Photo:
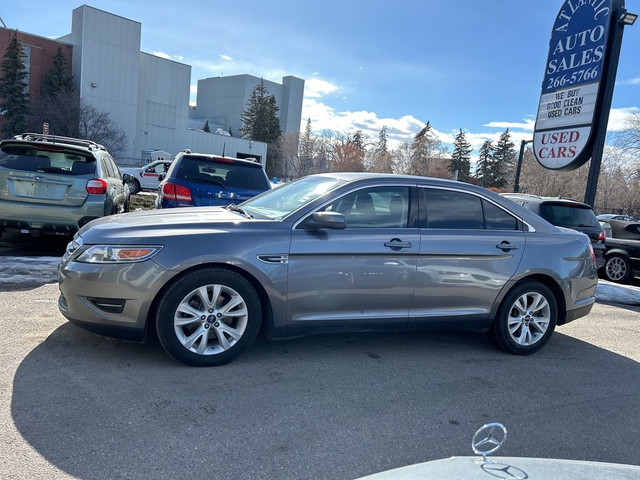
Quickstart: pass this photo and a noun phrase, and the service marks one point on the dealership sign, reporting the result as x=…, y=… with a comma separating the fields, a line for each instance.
x=571, y=86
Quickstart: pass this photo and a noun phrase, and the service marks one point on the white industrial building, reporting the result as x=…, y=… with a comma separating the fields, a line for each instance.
x=148, y=96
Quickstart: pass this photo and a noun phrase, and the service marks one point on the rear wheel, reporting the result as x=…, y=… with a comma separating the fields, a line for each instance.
x=134, y=186
x=208, y=317
x=617, y=269
x=526, y=318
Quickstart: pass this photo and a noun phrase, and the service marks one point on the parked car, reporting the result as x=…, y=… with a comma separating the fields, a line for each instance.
x=563, y=212
x=51, y=184
x=622, y=260
x=146, y=177
x=486, y=441
x=329, y=253
x=613, y=216
x=198, y=179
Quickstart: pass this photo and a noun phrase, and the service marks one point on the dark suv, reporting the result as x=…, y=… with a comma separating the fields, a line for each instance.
x=51, y=184
x=564, y=212
x=198, y=179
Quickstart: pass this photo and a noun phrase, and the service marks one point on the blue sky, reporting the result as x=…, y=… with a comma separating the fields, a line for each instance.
x=469, y=64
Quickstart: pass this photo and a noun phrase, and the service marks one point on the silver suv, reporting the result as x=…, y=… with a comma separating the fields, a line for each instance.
x=51, y=184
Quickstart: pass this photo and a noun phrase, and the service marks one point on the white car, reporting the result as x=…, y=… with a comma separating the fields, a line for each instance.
x=146, y=177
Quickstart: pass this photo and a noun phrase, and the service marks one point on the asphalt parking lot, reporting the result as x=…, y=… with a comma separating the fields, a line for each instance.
x=76, y=405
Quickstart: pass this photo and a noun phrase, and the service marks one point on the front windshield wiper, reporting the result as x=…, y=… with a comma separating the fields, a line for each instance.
x=235, y=208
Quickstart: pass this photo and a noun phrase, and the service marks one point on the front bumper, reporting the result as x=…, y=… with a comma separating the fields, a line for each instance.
x=109, y=299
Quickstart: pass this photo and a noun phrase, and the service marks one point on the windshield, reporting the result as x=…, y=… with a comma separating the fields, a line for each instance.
x=570, y=216
x=278, y=203
x=49, y=159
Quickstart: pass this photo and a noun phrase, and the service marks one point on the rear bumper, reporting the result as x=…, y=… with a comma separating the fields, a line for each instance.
x=21, y=216
x=580, y=311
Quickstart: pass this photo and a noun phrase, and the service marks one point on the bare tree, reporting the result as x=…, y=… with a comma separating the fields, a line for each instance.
x=98, y=127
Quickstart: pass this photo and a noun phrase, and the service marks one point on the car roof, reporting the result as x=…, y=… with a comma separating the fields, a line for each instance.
x=216, y=158
x=540, y=199
x=42, y=139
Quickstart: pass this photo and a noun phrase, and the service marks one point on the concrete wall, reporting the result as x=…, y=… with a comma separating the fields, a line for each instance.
x=223, y=99
x=106, y=65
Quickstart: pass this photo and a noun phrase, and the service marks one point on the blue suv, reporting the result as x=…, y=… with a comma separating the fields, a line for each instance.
x=199, y=180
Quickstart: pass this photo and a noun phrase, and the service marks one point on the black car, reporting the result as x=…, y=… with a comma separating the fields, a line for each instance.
x=564, y=212
x=622, y=260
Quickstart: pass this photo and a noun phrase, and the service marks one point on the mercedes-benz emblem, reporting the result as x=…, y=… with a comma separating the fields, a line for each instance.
x=488, y=439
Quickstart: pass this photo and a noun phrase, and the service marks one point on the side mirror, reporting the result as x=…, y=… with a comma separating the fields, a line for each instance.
x=127, y=177
x=161, y=176
x=329, y=220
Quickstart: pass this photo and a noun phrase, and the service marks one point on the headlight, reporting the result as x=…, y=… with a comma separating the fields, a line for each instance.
x=117, y=253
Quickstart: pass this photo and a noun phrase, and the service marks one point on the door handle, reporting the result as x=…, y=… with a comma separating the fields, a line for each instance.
x=506, y=246
x=396, y=244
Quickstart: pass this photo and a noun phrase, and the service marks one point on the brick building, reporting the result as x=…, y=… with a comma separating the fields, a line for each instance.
x=39, y=53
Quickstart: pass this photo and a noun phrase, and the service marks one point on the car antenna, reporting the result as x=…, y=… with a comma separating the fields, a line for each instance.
x=224, y=145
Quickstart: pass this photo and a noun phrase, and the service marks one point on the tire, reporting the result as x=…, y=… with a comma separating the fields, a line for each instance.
x=526, y=319
x=204, y=332
x=617, y=269
x=134, y=186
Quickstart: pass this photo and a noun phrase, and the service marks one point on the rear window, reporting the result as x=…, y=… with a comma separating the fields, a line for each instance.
x=228, y=175
x=29, y=158
x=569, y=215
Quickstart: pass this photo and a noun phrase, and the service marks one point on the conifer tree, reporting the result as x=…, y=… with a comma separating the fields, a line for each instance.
x=205, y=127
x=461, y=157
x=14, y=99
x=483, y=166
x=424, y=147
x=57, y=81
x=503, y=161
x=260, y=117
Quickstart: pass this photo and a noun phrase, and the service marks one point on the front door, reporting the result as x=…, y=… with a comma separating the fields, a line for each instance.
x=362, y=275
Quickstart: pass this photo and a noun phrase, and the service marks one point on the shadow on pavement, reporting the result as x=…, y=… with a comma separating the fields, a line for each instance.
x=319, y=407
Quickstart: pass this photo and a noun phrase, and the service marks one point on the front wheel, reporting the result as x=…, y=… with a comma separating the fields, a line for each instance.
x=617, y=269
x=208, y=317
x=526, y=319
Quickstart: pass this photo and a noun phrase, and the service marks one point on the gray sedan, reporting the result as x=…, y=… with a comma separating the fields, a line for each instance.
x=328, y=253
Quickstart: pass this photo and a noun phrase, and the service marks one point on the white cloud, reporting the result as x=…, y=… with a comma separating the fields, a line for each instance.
x=315, y=88
x=226, y=57
x=630, y=81
x=162, y=55
x=618, y=117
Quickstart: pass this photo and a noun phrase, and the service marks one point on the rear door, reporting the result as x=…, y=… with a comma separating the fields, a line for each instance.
x=469, y=248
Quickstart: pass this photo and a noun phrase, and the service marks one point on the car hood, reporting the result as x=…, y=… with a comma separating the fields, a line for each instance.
x=463, y=468
x=144, y=226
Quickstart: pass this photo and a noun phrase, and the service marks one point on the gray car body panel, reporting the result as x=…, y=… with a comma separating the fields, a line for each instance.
x=335, y=280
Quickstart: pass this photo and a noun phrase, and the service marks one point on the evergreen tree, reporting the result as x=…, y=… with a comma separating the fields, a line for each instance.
x=382, y=160
x=260, y=117
x=57, y=81
x=14, y=99
x=504, y=158
x=461, y=157
x=205, y=127
x=483, y=167
x=307, y=148
x=261, y=123
x=424, y=147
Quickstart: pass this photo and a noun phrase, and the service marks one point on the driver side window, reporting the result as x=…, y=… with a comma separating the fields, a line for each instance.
x=378, y=207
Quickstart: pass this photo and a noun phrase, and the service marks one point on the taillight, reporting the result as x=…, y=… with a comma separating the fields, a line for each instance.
x=97, y=186
x=180, y=193
x=602, y=236
x=593, y=254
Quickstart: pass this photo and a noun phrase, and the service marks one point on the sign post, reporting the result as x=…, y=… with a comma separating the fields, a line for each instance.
x=578, y=86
